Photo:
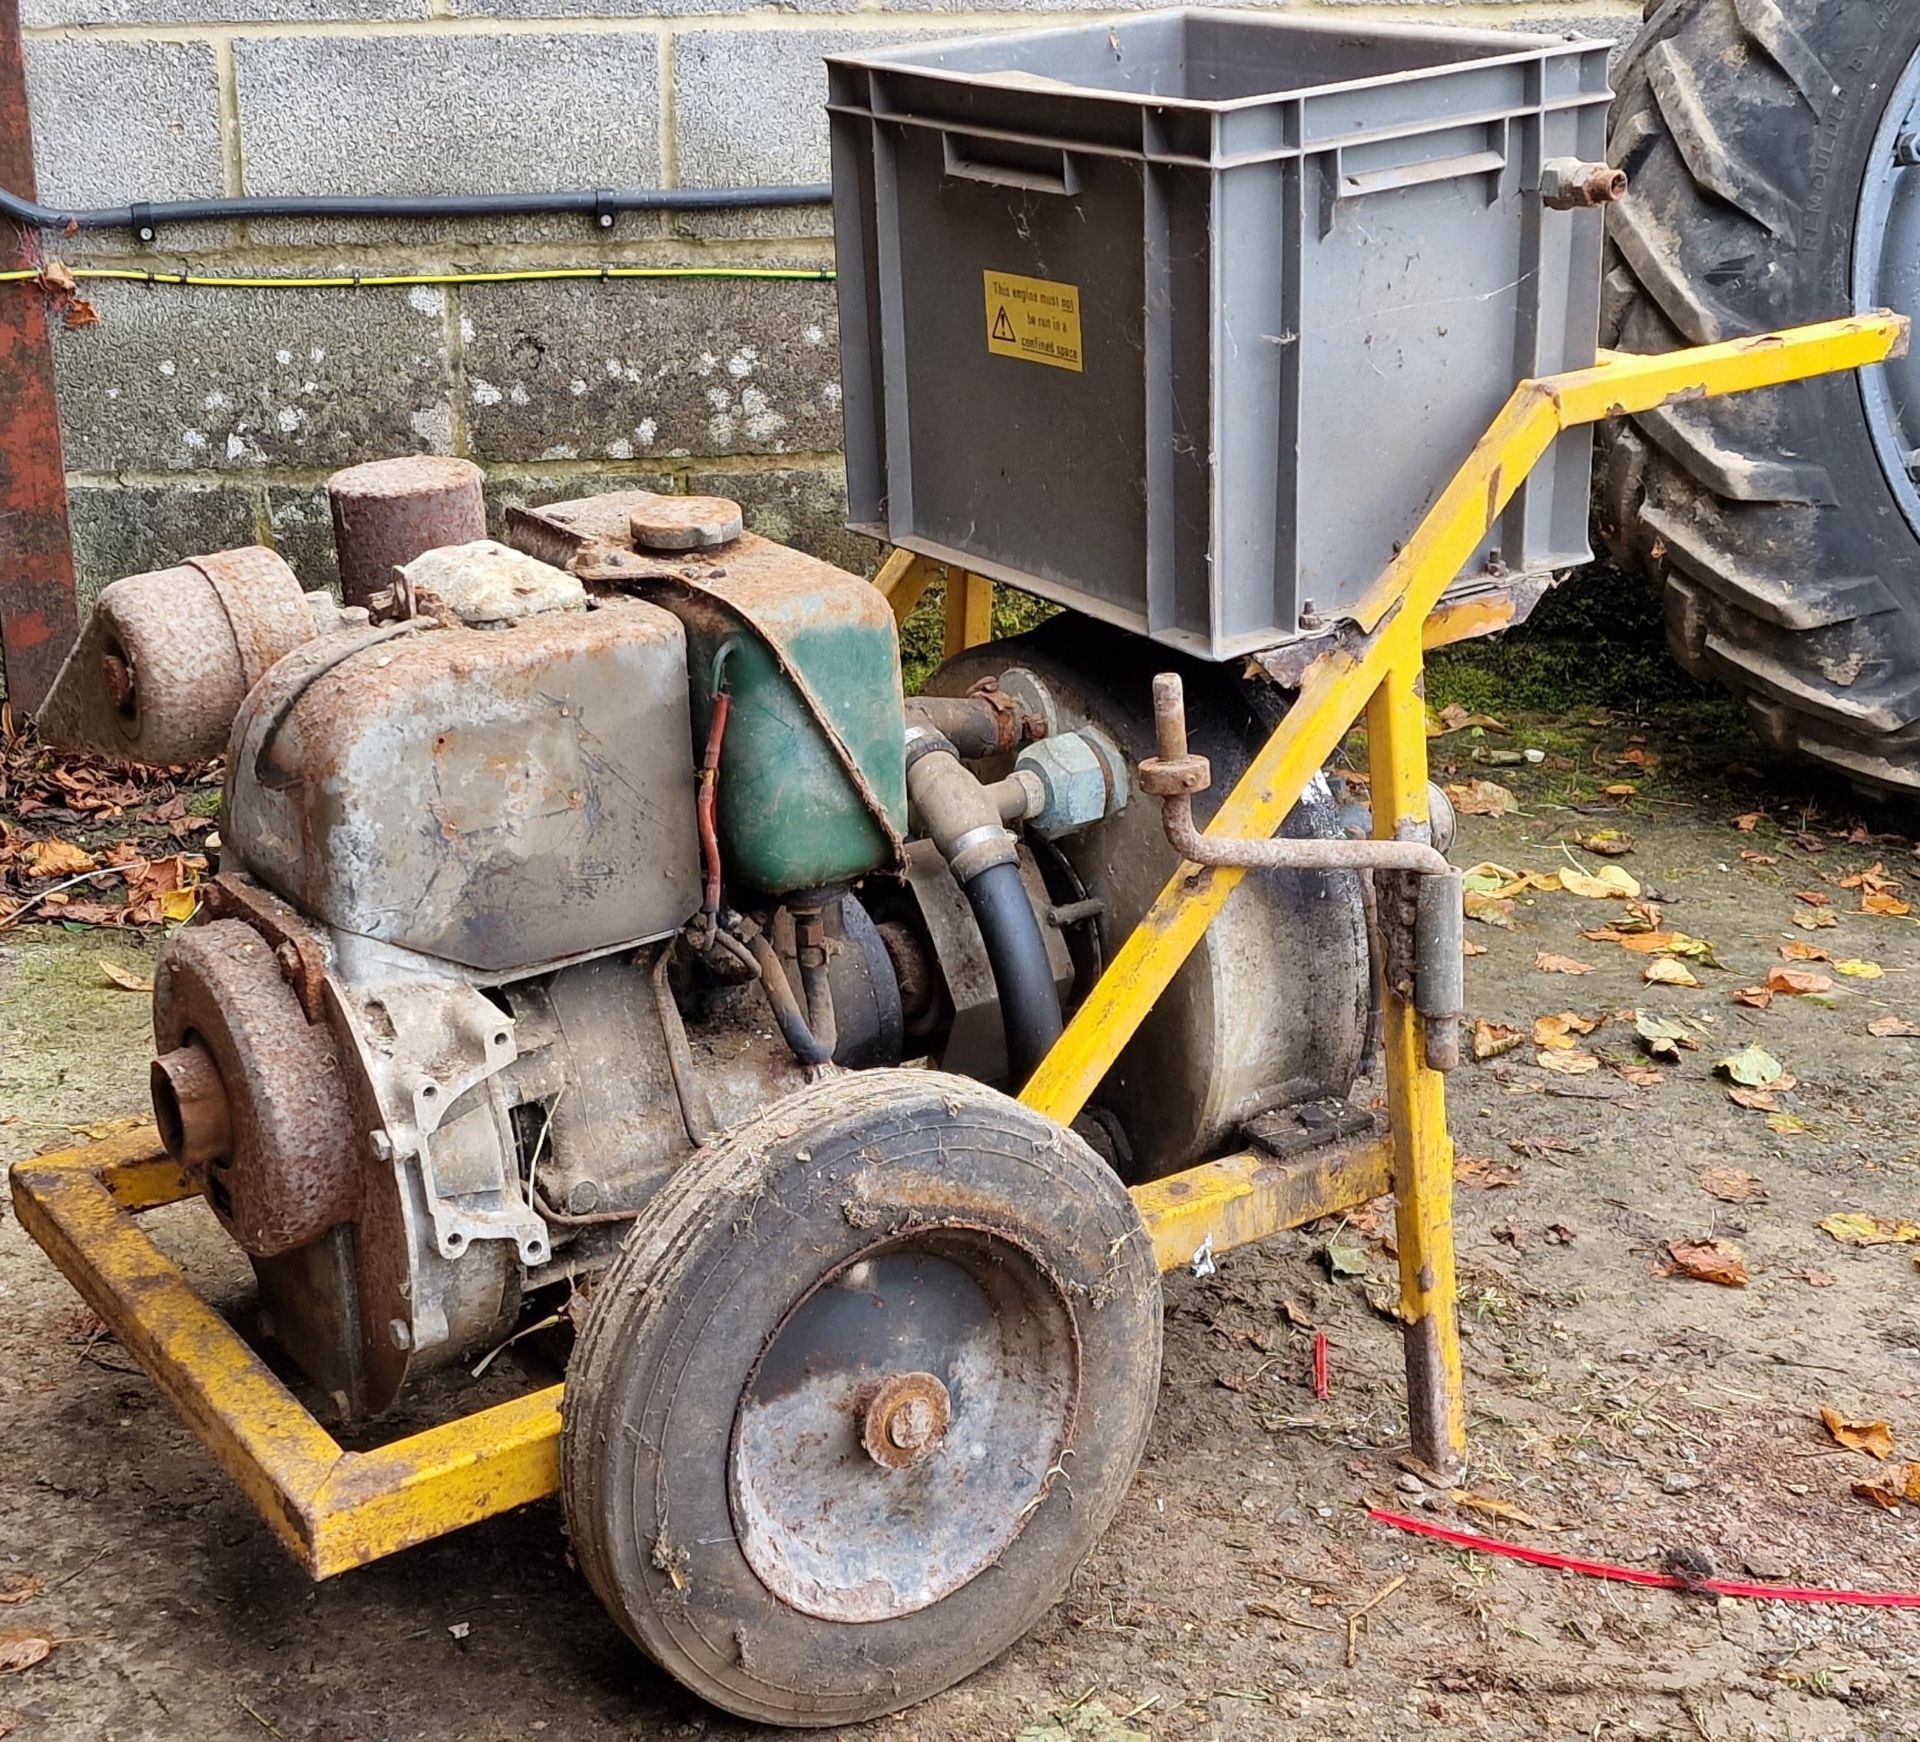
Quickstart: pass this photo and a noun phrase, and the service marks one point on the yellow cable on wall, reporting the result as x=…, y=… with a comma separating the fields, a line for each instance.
x=402, y=280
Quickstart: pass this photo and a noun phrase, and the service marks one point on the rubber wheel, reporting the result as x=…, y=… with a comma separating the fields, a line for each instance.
x=868, y=1380
x=1783, y=522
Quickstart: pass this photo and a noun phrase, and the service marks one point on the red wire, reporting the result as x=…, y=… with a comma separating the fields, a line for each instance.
x=1322, y=1385
x=704, y=804
x=1540, y=1557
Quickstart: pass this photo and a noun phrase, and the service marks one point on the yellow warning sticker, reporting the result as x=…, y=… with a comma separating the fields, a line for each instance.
x=1034, y=319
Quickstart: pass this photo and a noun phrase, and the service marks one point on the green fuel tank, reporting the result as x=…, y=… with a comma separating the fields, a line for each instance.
x=813, y=786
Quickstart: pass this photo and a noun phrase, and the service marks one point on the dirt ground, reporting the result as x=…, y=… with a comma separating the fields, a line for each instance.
x=1622, y=1412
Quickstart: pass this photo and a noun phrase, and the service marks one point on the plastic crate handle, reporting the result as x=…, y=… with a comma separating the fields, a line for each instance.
x=965, y=161
x=1338, y=183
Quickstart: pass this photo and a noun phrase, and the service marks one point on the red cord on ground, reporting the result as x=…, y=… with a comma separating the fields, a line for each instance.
x=704, y=804
x=1322, y=1385
x=1634, y=1576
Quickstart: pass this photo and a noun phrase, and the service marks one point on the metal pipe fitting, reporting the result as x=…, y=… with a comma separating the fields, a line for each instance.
x=1281, y=854
x=810, y=952
x=964, y=819
x=1437, y=986
x=190, y=1106
x=958, y=812
x=975, y=725
x=1567, y=184
x=1021, y=795
x=1440, y=965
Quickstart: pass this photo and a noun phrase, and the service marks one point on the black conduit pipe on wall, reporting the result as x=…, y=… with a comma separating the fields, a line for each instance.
x=603, y=205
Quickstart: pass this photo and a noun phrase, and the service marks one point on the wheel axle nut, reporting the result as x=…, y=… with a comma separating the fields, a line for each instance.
x=905, y=1419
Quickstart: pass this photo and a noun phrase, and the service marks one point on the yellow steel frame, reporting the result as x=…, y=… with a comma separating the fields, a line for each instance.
x=336, y=1509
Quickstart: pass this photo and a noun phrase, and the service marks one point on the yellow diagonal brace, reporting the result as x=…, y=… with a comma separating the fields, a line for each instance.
x=969, y=613
x=903, y=579
x=1340, y=684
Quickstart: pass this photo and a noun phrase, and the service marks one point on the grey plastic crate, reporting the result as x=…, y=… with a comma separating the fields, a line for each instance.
x=1184, y=319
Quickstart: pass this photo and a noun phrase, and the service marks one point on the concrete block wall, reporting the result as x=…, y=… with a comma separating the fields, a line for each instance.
x=199, y=418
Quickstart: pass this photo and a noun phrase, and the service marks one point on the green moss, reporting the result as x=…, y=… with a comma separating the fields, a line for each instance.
x=1014, y=613
x=77, y=1045
x=205, y=802
x=1596, y=641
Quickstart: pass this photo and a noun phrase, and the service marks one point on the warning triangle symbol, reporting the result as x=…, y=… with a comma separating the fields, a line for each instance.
x=1002, y=327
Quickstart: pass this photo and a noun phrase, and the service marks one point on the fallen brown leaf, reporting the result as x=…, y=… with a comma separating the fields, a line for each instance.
x=1813, y=897
x=20, y=1587
x=1491, y=1039
x=1733, y=1185
x=1814, y=918
x=22, y=1650
x=1748, y=822
x=1887, y=905
x=1759, y=1100
x=1799, y=982
x=1548, y=963
x=1482, y=798
x=1483, y=1171
x=1501, y=1509
x=1667, y=972
x=1558, y=1031
x=1897, y=1486
x=1715, y=1261
x=1799, y=952
x=1754, y=997
x=1567, y=1064
x=1495, y=910
x=55, y=858
x=1893, y=1028
x=121, y=977
x=1875, y=1438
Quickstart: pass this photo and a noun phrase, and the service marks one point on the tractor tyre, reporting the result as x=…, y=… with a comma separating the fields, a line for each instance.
x=1765, y=141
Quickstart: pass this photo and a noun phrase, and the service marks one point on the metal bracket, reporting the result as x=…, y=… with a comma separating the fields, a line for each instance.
x=443, y=1114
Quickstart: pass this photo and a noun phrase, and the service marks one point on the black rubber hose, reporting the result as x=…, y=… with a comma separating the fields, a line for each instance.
x=1022, y=975
x=602, y=203
x=787, y=1014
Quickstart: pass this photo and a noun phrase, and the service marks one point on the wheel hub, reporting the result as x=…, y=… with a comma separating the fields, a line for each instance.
x=905, y=1421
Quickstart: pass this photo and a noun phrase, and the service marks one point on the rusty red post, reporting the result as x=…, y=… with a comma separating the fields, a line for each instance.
x=38, y=614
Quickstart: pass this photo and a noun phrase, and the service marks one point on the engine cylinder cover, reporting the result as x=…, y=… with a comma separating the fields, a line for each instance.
x=499, y=798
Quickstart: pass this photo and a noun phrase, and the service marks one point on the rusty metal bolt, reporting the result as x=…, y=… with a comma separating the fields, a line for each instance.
x=905, y=1419
x=1175, y=771
x=190, y=1106
x=1568, y=185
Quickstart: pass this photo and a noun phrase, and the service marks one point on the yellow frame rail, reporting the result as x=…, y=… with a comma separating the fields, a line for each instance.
x=335, y=1509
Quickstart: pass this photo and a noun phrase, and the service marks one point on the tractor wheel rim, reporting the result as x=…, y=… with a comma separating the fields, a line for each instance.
x=1886, y=274
x=904, y=1423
